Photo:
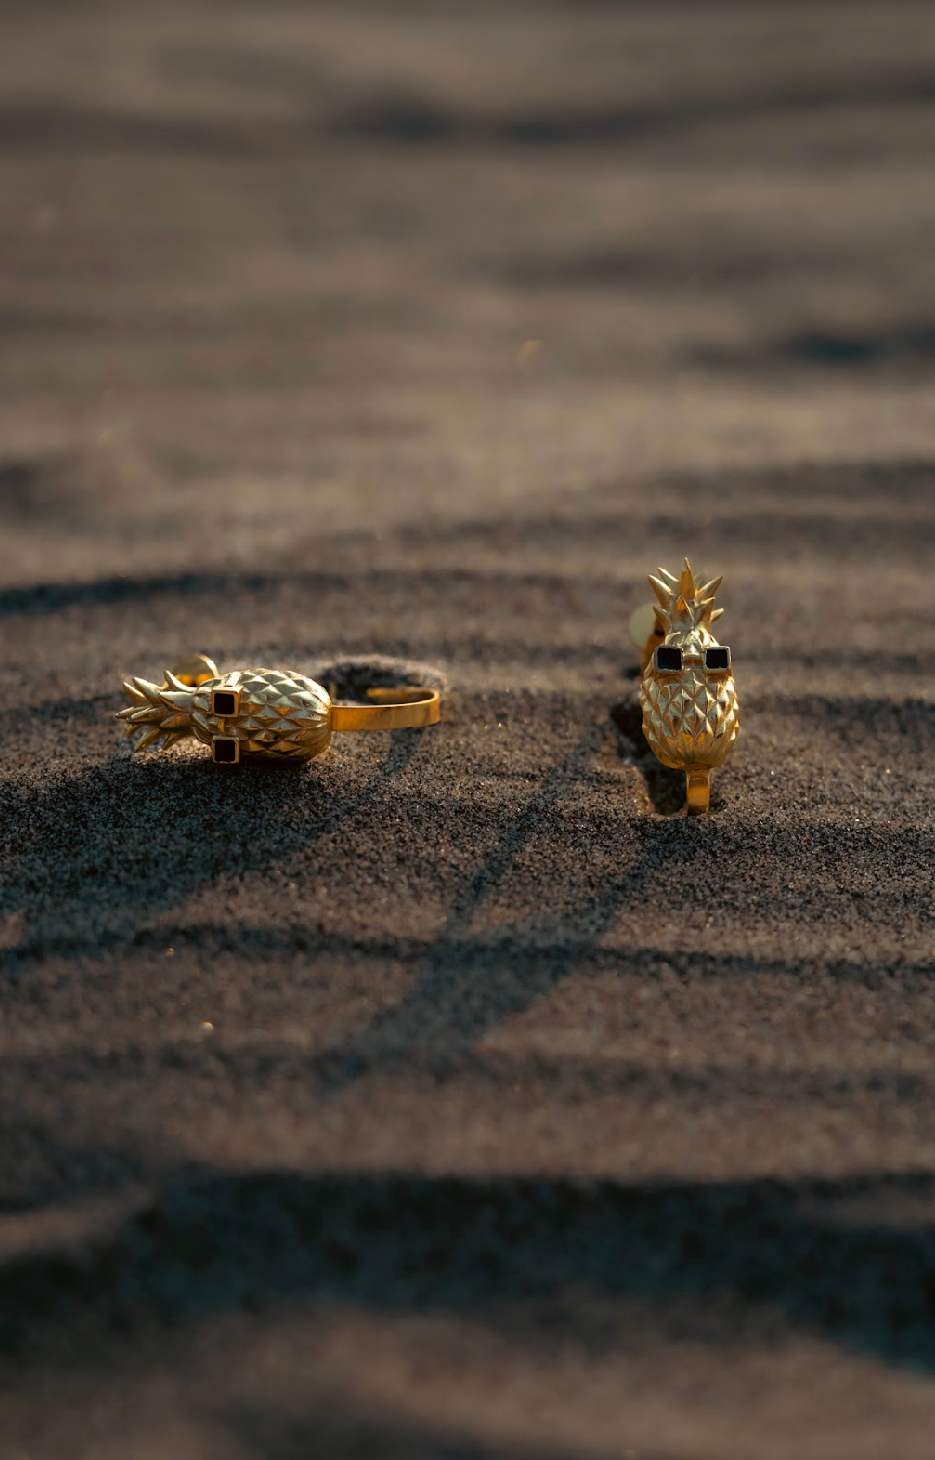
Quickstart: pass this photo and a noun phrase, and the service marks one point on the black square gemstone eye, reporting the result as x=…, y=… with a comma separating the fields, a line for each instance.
x=669, y=660
x=226, y=750
x=223, y=702
x=717, y=658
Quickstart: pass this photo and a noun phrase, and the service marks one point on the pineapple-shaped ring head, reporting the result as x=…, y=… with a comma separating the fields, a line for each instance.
x=691, y=716
x=274, y=714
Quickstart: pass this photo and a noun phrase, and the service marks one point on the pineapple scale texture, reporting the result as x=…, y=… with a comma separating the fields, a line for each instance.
x=689, y=719
x=283, y=715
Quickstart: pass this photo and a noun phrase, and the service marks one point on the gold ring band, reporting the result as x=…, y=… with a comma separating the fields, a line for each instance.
x=403, y=707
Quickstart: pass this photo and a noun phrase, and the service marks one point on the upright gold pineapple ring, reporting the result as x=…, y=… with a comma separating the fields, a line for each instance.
x=271, y=714
x=691, y=713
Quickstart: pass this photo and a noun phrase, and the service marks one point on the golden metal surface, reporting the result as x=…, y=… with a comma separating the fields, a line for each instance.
x=195, y=669
x=691, y=715
x=273, y=714
x=396, y=709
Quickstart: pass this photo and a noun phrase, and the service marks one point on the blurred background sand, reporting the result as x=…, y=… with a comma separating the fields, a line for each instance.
x=453, y=1097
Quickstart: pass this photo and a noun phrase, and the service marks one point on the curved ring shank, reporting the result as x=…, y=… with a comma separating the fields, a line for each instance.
x=697, y=788
x=401, y=708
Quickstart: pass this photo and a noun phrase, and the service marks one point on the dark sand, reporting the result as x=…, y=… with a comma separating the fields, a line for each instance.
x=451, y=1098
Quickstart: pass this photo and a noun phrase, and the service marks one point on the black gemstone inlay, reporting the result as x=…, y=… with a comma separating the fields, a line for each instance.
x=668, y=659
x=717, y=658
x=225, y=750
x=223, y=702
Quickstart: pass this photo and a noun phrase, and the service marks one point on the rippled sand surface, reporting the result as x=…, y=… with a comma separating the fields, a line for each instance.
x=455, y=1097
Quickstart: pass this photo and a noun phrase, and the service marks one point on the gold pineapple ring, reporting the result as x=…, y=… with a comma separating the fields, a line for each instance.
x=269, y=714
x=691, y=714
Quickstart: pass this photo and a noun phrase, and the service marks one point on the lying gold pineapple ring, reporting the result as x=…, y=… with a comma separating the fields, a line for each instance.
x=691, y=714
x=272, y=714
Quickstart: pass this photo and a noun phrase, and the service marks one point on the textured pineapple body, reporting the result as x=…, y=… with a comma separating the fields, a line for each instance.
x=282, y=715
x=691, y=718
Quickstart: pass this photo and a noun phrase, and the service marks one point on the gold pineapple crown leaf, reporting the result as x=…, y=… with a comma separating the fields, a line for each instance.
x=158, y=714
x=683, y=602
